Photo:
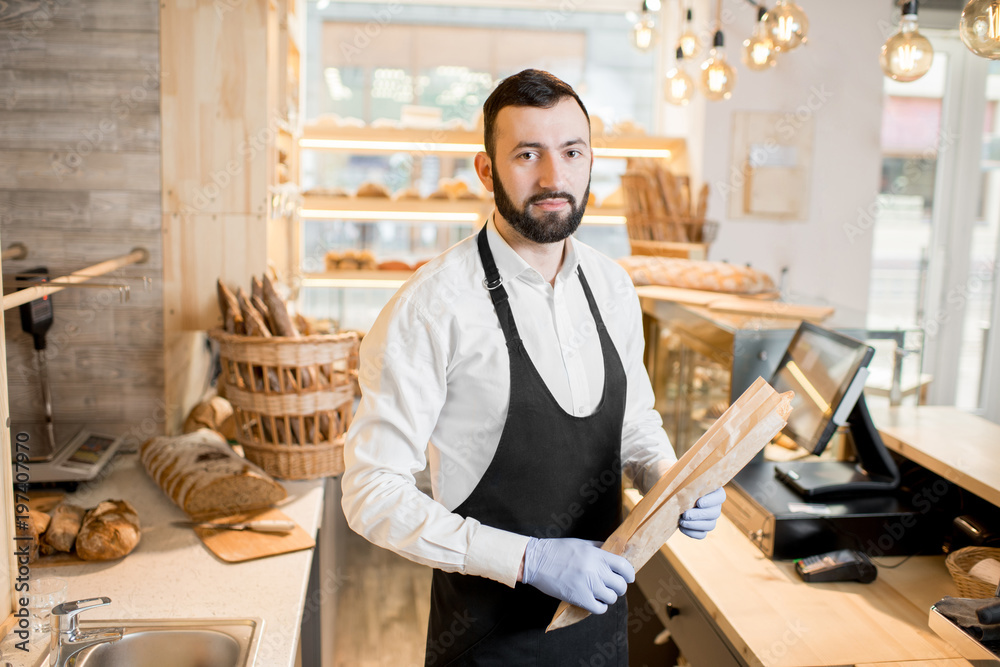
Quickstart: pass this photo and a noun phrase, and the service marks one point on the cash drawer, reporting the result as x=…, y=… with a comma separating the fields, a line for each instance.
x=692, y=629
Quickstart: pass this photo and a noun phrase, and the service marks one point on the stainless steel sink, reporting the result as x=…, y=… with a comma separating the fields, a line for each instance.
x=209, y=642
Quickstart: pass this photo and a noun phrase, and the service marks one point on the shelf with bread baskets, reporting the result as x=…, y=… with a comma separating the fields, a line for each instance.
x=468, y=142
x=459, y=211
x=334, y=220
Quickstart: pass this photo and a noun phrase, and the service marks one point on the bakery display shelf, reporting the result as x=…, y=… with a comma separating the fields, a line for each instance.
x=460, y=141
x=357, y=278
x=456, y=211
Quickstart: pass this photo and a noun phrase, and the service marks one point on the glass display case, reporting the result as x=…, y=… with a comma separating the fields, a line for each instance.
x=700, y=362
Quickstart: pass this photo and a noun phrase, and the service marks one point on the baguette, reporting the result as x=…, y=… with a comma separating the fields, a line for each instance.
x=256, y=288
x=229, y=306
x=278, y=311
x=204, y=477
x=252, y=320
x=261, y=307
x=110, y=530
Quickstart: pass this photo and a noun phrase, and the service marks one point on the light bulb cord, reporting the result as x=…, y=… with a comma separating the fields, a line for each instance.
x=718, y=15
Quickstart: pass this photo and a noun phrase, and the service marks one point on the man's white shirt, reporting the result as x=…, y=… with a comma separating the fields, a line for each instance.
x=435, y=380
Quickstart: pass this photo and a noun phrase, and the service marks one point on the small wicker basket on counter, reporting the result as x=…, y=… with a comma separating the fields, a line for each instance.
x=292, y=399
x=961, y=561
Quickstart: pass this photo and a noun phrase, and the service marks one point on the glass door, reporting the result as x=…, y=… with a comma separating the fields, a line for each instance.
x=980, y=342
x=935, y=226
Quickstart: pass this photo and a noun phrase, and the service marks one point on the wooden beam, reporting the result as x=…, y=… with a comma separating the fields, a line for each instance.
x=137, y=256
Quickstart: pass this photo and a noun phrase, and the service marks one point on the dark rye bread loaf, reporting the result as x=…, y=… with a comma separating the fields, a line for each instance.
x=205, y=477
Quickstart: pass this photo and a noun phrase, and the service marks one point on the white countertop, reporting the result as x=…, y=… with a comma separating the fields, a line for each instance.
x=171, y=574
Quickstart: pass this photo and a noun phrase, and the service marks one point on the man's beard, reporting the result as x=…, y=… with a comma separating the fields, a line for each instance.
x=551, y=227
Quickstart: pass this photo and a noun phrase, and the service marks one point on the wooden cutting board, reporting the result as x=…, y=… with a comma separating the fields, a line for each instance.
x=237, y=546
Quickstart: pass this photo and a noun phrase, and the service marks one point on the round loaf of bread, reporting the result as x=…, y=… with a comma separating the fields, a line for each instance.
x=109, y=531
x=205, y=477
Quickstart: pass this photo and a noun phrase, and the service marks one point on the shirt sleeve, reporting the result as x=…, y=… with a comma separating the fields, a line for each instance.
x=646, y=450
x=403, y=377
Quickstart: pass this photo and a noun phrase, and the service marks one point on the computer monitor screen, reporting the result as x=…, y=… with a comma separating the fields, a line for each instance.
x=823, y=368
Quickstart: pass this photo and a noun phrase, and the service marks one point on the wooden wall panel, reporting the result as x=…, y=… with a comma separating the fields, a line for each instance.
x=104, y=15
x=69, y=49
x=79, y=403
x=83, y=132
x=80, y=183
x=70, y=170
x=214, y=107
x=80, y=210
x=197, y=251
x=79, y=91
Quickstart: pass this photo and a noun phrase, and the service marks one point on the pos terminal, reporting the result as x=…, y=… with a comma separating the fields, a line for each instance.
x=810, y=506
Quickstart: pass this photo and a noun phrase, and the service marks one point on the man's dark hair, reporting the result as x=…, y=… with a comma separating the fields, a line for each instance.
x=528, y=88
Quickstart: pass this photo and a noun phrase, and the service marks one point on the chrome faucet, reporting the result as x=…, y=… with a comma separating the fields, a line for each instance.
x=66, y=639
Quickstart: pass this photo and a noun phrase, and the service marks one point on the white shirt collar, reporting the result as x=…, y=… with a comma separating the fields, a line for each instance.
x=511, y=265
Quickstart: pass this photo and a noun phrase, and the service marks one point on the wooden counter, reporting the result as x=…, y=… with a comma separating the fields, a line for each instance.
x=726, y=603
x=770, y=617
x=961, y=447
x=171, y=574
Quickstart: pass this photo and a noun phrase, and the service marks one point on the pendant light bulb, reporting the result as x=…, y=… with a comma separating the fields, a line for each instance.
x=907, y=55
x=717, y=76
x=980, y=28
x=644, y=31
x=787, y=24
x=679, y=86
x=758, y=51
x=688, y=42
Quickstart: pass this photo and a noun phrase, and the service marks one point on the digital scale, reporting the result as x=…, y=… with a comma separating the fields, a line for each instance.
x=80, y=460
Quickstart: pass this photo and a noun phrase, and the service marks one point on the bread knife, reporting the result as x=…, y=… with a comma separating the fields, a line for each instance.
x=260, y=526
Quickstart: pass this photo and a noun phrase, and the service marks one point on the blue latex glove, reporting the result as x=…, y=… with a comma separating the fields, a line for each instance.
x=577, y=571
x=701, y=518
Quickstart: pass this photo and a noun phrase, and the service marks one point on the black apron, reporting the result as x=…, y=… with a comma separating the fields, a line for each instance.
x=553, y=475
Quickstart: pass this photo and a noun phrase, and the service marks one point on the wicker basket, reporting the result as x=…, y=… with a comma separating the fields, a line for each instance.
x=961, y=561
x=292, y=399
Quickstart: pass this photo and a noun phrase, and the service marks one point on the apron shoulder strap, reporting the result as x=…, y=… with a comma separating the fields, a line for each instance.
x=494, y=284
x=595, y=311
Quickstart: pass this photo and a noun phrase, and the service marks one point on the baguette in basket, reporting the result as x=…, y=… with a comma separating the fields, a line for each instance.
x=291, y=394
